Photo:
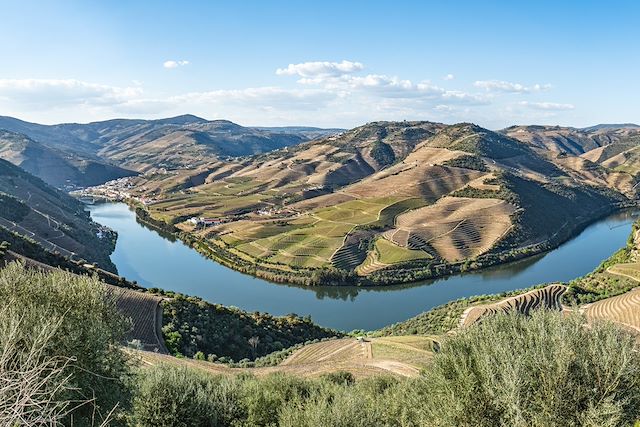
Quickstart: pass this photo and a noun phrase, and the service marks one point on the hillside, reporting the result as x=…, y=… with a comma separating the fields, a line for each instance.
x=55, y=167
x=400, y=356
x=610, y=292
x=386, y=202
x=600, y=156
x=573, y=141
x=50, y=218
x=191, y=325
x=174, y=143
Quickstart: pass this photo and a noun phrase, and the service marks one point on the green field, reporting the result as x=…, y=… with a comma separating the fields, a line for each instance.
x=389, y=253
x=355, y=212
x=388, y=214
x=309, y=241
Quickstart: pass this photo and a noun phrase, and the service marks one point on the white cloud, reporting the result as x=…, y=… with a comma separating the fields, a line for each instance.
x=174, y=64
x=317, y=69
x=449, y=77
x=547, y=106
x=509, y=87
x=326, y=93
x=261, y=97
x=386, y=87
x=46, y=93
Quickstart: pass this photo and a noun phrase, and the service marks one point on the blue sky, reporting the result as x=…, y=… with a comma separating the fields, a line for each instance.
x=326, y=63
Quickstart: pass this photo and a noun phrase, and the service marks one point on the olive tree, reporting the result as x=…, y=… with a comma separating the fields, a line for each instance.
x=543, y=370
x=60, y=337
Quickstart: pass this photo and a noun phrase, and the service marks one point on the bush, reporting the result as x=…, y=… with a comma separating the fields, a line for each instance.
x=543, y=370
x=193, y=326
x=509, y=370
x=24, y=396
x=336, y=407
x=61, y=328
x=168, y=396
x=340, y=377
x=265, y=398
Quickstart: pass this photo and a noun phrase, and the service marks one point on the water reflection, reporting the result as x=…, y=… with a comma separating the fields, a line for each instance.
x=144, y=255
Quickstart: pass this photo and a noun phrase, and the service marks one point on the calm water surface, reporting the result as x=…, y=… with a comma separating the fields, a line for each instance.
x=152, y=260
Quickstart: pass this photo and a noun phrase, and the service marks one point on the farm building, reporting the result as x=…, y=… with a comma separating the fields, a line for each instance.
x=206, y=222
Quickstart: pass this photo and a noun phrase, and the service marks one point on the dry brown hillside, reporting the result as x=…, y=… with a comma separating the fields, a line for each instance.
x=412, y=196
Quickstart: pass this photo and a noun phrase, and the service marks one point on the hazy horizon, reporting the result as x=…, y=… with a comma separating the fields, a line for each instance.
x=258, y=125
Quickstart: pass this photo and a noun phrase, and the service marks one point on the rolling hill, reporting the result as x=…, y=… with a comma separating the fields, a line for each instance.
x=55, y=167
x=574, y=140
x=387, y=202
x=173, y=143
x=602, y=155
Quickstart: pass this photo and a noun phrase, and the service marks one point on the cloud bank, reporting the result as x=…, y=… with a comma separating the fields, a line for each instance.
x=323, y=93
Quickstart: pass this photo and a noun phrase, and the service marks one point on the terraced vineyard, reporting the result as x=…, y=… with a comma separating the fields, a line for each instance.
x=623, y=309
x=333, y=351
x=414, y=350
x=371, y=263
x=399, y=355
x=354, y=250
x=547, y=297
x=402, y=356
x=455, y=227
x=388, y=253
x=145, y=313
x=388, y=215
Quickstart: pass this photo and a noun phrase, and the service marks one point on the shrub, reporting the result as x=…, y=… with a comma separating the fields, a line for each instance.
x=265, y=398
x=543, y=370
x=61, y=328
x=168, y=396
x=337, y=407
x=340, y=377
x=32, y=383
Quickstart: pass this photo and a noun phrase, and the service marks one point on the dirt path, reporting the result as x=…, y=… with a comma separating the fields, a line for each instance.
x=615, y=273
x=395, y=367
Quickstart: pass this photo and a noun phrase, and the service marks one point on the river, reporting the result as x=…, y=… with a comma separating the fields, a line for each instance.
x=143, y=255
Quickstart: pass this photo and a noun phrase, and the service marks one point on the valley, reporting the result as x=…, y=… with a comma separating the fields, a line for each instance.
x=155, y=259
x=402, y=349
x=392, y=202
x=382, y=204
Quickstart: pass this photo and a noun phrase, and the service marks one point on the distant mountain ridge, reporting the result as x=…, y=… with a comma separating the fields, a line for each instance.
x=138, y=145
x=56, y=167
x=611, y=126
x=571, y=140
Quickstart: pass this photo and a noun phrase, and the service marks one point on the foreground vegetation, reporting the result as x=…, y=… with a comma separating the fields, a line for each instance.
x=60, y=361
x=558, y=374
x=196, y=328
x=59, y=350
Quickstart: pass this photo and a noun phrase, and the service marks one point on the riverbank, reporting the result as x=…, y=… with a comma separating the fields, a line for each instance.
x=405, y=273
x=156, y=259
